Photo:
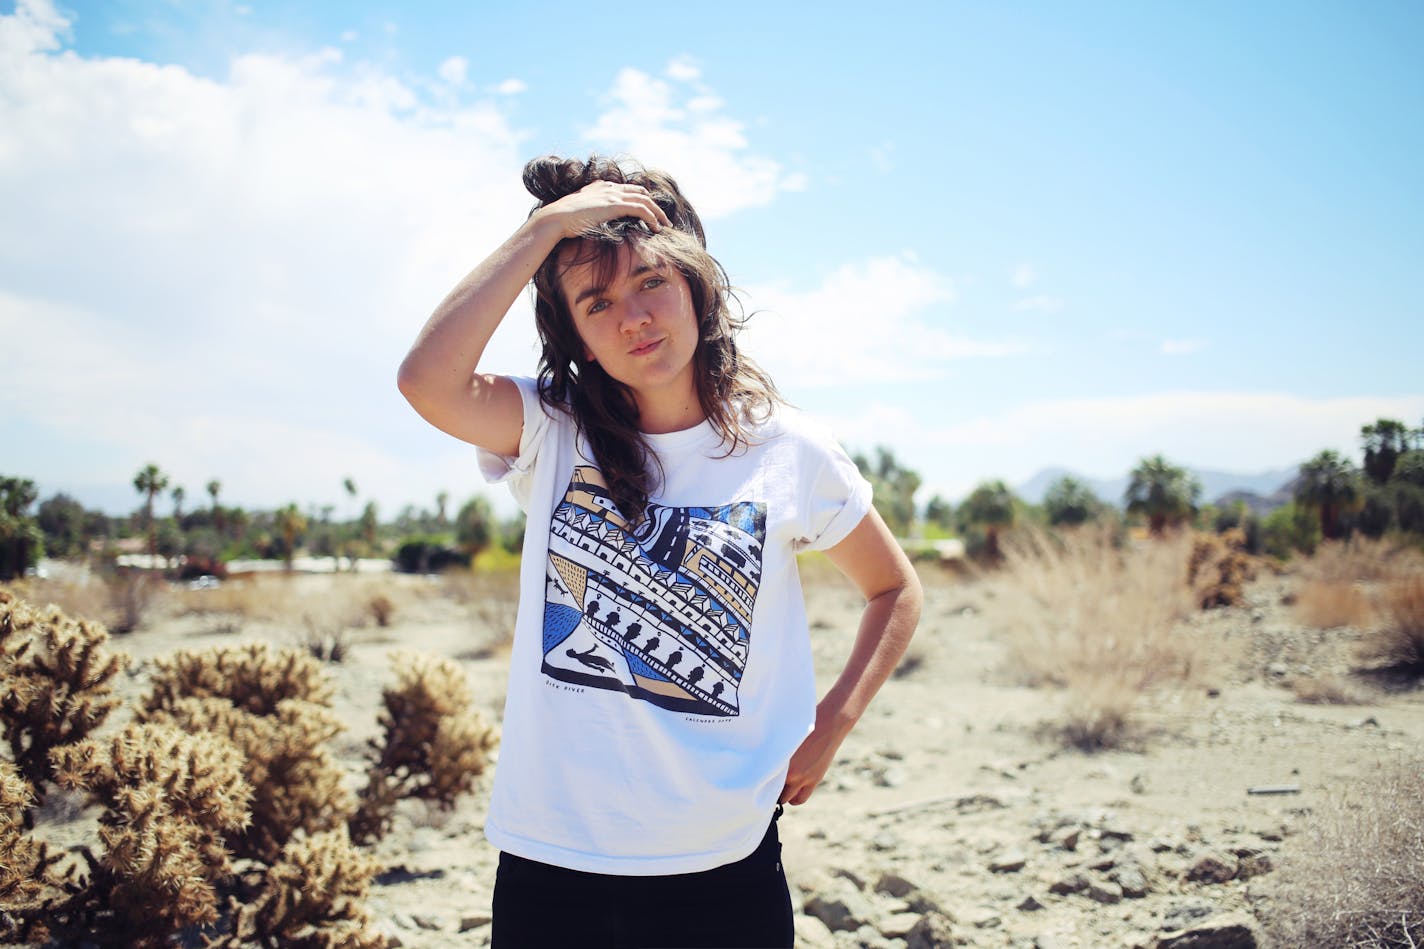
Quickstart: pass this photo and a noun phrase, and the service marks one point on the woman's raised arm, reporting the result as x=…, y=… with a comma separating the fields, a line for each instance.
x=440, y=375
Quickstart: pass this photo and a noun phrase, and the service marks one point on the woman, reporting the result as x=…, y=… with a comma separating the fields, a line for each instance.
x=661, y=702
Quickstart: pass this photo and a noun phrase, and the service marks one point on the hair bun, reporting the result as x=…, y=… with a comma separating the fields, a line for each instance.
x=550, y=178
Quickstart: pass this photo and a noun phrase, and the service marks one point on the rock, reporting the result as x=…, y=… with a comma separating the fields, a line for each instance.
x=811, y=933
x=891, y=777
x=1132, y=880
x=1066, y=837
x=1104, y=891
x=899, y=924
x=387, y=929
x=1138, y=784
x=846, y=874
x=983, y=917
x=1213, y=867
x=885, y=840
x=1010, y=861
x=1252, y=863
x=1072, y=883
x=840, y=906
x=892, y=884
x=1228, y=931
x=429, y=921
x=474, y=921
x=1187, y=915
x=868, y=937
x=404, y=921
x=933, y=931
x=1029, y=905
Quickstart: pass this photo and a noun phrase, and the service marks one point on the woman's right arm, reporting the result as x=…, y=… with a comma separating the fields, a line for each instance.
x=440, y=375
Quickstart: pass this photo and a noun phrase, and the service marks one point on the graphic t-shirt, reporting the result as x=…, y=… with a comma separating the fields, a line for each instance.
x=661, y=674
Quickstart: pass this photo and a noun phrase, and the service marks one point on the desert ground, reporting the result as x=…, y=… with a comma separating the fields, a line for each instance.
x=956, y=813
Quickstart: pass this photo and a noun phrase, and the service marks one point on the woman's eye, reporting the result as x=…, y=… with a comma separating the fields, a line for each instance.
x=597, y=306
x=653, y=282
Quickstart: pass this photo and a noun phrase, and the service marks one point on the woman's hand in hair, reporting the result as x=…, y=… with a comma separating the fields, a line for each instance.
x=600, y=202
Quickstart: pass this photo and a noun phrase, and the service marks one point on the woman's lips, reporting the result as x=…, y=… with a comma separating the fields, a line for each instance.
x=642, y=349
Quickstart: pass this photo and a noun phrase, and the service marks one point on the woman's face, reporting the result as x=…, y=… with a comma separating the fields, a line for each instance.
x=640, y=324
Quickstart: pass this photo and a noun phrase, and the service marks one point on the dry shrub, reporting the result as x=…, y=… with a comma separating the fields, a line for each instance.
x=29, y=880
x=56, y=684
x=381, y=609
x=1398, y=642
x=433, y=743
x=1329, y=604
x=1219, y=568
x=120, y=600
x=493, y=602
x=274, y=706
x=1355, y=877
x=1104, y=622
x=1362, y=560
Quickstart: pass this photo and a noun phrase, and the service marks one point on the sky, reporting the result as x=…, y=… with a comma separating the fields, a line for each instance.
x=994, y=238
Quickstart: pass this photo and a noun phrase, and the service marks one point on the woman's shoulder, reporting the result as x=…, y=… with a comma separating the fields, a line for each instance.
x=789, y=424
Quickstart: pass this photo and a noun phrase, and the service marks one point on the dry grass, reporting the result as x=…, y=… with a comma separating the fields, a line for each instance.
x=1355, y=877
x=122, y=601
x=1398, y=642
x=1330, y=604
x=1361, y=560
x=1105, y=623
x=492, y=600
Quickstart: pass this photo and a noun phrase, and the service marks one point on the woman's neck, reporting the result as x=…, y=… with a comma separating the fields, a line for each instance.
x=661, y=418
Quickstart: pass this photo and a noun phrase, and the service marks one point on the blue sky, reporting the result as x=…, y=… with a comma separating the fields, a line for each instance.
x=996, y=238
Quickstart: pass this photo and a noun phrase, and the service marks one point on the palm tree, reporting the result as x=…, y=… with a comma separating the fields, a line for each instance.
x=474, y=526
x=214, y=489
x=149, y=482
x=178, y=494
x=441, y=499
x=1328, y=484
x=1070, y=501
x=990, y=506
x=1163, y=492
x=291, y=523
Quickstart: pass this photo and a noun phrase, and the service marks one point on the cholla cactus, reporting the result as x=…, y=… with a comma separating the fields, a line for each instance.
x=434, y=744
x=169, y=798
x=29, y=881
x=274, y=706
x=55, y=684
x=297, y=786
x=254, y=677
x=313, y=898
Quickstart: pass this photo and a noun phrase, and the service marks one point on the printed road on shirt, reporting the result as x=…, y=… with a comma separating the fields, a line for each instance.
x=661, y=613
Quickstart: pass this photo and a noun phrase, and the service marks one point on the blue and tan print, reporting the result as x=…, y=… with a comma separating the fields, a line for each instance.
x=661, y=612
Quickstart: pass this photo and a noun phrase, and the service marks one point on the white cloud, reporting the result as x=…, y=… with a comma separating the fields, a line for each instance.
x=881, y=156
x=454, y=70
x=684, y=69
x=1042, y=303
x=349, y=36
x=1181, y=347
x=222, y=275
x=1023, y=276
x=872, y=321
x=511, y=87
x=677, y=124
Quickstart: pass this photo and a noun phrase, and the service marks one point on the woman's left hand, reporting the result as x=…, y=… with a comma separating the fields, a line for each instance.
x=812, y=760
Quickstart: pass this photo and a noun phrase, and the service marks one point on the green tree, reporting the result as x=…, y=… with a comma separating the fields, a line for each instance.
x=442, y=500
x=1409, y=469
x=1290, y=528
x=214, y=489
x=939, y=514
x=150, y=482
x=64, y=523
x=178, y=494
x=370, y=523
x=1384, y=442
x=290, y=522
x=1069, y=502
x=1164, y=493
x=21, y=540
x=1328, y=485
x=474, y=526
x=989, y=508
x=894, y=486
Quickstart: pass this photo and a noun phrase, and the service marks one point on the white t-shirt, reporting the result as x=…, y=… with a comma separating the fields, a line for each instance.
x=661, y=679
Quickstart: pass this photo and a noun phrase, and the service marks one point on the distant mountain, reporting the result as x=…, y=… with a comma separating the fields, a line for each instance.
x=1262, y=492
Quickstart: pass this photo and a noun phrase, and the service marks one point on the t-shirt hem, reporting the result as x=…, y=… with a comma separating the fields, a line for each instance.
x=621, y=866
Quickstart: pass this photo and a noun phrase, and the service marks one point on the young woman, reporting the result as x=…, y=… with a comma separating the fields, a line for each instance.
x=661, y=702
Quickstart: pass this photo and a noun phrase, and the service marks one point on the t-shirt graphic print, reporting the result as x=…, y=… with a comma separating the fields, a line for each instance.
x=661, y=612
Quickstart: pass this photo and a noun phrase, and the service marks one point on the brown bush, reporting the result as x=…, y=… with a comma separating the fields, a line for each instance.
x=432, y=747
x=29, y=880
x=1104, y=622
x=1326, y=689
x=381, y=609
x=56, y=684
x=254, y=677
x=1219, y=568
x=1353, y=878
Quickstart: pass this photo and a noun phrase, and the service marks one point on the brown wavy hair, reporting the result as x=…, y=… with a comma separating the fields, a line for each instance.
x=732, y=390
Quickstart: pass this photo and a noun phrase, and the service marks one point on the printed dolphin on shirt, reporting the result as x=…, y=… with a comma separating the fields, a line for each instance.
x=662, y=612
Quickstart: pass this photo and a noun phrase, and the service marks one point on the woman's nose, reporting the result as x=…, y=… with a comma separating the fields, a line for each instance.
x=635, y=315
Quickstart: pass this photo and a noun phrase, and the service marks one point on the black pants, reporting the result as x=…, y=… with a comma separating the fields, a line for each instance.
x=744, y=904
